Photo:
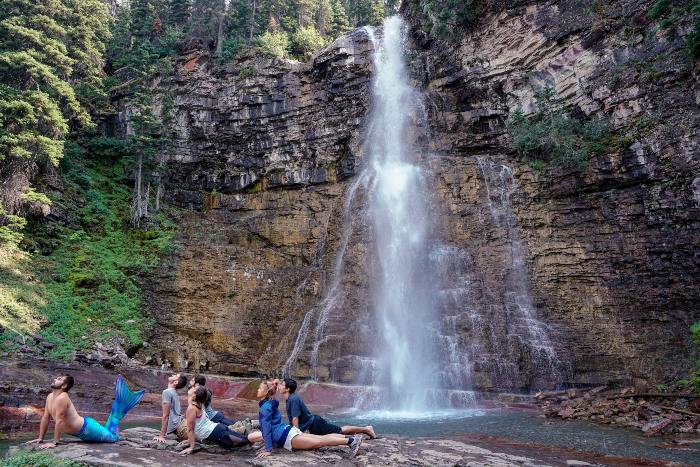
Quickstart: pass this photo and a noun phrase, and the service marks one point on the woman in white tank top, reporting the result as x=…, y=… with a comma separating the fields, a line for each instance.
x=201, y=428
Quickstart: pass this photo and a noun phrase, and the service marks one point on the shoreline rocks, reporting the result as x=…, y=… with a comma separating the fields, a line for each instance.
x=651, y=413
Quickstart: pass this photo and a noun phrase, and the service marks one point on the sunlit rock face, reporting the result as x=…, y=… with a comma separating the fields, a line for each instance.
x=546, y=277
x=262, y=153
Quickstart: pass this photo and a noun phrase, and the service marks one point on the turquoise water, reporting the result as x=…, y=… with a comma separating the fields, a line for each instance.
x=524, y=427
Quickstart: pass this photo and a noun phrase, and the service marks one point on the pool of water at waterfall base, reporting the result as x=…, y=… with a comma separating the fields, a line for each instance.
x=523, y=426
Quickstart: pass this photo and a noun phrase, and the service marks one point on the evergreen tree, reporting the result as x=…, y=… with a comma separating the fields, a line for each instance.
x=45, y=47
x=340, y=24
x=324, y=16
x=180, y=11
x=306, y=11
x=143, y=17
x=376, y=13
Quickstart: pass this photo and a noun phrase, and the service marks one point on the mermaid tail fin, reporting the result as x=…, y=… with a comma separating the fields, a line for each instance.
x=124, y=400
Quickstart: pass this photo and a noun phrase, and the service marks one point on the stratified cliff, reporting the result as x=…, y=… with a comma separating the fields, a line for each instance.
x=581, y=275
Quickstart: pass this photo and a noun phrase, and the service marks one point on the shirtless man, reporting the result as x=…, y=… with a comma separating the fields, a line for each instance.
x=61, y=409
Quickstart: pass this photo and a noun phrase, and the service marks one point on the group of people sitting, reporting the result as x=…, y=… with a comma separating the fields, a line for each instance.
x=201, y=422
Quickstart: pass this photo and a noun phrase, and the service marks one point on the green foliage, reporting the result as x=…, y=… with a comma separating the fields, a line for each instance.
x=246, y=71
x=11, y=227
x=551, y=135
x=34, y=196
x=443, y=17
x=305, y=41
x=657, y=9
x=25, y=458
x=340, y=24
x=694, y=381
x=694, y=36
x=274, y=44
x=46, y=49
x=87, y=290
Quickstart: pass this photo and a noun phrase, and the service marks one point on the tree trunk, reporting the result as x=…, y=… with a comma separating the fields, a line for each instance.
x=220, y=32
x=252, y=22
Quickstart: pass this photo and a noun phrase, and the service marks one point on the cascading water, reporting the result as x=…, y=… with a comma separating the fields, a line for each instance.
x=439, y=327
x=403, y=301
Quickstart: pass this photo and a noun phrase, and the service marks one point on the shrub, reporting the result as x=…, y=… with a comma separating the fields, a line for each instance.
x=694, y=36
x=24, y=458
x=274, y=44
x=306, y=41
x=552, y=135
x=443, y=17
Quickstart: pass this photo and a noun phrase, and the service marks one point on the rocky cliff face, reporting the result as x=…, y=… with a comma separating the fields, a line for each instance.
x=558, y=275
x=263, y=153
x=610, y=250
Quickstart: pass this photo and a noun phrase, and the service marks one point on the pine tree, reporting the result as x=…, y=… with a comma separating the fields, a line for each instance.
x=46, y=48
x=180, y=11
x=324, y=16
x=376, y=13
x=339, y=23
x=143, y=16
x=306, y=11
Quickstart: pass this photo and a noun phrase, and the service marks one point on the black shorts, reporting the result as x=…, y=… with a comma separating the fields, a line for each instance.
x=226, y=437
x=321, y=426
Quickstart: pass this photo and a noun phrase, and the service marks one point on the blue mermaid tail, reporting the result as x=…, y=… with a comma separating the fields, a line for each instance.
x=124, y=400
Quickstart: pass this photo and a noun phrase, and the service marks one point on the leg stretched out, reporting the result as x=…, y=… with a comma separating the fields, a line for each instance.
x=306, y=441
x=124, y=400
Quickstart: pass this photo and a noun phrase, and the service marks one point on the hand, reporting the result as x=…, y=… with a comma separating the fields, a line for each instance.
x=263, y=453
x=34, y=441
x=159, y=439
x=186, y=451
x=47, y=445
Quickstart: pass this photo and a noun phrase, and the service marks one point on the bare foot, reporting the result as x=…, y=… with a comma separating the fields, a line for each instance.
x=371, y=432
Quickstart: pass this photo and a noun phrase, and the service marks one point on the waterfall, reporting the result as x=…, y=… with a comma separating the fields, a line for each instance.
x=525, y=327
x=403, y=302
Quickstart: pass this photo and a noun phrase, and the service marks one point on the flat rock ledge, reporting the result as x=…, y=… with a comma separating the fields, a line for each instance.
x=136, y=448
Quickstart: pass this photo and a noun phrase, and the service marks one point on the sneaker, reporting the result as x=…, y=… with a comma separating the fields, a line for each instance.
x=355, y=445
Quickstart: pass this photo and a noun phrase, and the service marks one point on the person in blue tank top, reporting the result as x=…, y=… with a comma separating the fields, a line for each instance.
x=275, y=433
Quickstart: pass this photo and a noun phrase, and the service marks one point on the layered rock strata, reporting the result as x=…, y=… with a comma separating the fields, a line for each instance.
x=558, y=275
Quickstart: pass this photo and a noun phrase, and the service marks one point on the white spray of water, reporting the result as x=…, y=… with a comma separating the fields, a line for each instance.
x=403, y=301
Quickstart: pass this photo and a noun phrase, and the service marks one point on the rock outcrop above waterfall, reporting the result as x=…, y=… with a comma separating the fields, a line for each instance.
x=559, y=275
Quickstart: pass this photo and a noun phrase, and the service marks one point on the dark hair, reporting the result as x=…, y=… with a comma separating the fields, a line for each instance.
x=181, y=382
x=69, y=381
x=271, y=388
x=290, y=384
x=200, y=379
x=200, y=395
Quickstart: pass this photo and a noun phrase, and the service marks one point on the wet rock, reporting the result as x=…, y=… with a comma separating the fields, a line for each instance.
x=136, y=448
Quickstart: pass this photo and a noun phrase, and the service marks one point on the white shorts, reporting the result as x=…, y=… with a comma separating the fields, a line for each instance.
x=292, y=433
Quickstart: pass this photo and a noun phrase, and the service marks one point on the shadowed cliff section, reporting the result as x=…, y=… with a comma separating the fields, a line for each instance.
x=610, y=248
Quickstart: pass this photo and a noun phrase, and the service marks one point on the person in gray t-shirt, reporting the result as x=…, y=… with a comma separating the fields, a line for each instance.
x=172, y=416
